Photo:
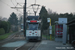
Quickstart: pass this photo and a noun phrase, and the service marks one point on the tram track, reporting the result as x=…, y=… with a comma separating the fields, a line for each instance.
x=18, y=37
x=10, y=37
x=13, y=38
x=29, y=46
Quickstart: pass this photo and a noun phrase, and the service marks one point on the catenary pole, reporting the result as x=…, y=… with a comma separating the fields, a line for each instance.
x=25, y=18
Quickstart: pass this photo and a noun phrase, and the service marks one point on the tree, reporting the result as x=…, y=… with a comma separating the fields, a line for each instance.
x=43, y=12
x=20, y=20
x=50, y=11
x=43, y=15
x=13, y=19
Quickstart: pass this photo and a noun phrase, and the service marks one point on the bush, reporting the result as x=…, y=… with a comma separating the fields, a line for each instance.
x=5, y=25
x=2, y=31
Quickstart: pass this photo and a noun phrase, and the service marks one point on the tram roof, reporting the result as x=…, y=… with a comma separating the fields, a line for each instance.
x=32, y=17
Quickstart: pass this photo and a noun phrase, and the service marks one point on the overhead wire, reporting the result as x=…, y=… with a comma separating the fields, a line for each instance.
x=16, y=5
x=9, y=5
x=19, y=11
x=20, y=5
x=5, y=3
x=15, y=1
x=12, y=3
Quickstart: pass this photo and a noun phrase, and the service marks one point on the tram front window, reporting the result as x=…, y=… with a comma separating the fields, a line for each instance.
x=32, y=26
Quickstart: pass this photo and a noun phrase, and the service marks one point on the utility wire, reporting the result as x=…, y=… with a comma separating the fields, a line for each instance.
x=15, y=1
x=9, y=5
x=19, y=11
x=12, y=3
x=21, y=3
x=29, y=6
x=18, y=3
x=5, y=3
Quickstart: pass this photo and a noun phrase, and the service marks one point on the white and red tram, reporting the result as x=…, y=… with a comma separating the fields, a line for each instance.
x=33, y=29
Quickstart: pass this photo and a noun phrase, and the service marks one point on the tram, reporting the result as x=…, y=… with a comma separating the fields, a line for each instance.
x=33, y=28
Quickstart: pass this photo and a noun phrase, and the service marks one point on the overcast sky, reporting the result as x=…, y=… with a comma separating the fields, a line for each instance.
x=59, y=6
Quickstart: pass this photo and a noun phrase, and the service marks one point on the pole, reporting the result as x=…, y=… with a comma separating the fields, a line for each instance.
x=25, y=18
x=50, y=29
x=35, y=14
x=50, y=22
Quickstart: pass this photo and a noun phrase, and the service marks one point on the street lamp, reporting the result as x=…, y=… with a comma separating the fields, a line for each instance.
x=35, y=8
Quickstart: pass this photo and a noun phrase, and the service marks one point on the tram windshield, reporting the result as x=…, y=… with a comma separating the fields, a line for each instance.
x=33, y=26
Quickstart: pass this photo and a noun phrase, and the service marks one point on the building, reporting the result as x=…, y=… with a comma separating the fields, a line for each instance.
x=71, y=30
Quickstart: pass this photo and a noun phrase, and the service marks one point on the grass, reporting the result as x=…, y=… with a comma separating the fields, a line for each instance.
x=53, y=33
x=48, y=37
x=2, y=37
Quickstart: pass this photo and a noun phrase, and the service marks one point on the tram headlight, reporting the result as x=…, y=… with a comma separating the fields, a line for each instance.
x=35, y=32
x=29, y=32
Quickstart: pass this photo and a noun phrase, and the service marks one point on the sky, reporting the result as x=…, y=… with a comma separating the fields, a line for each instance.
x=59, y=6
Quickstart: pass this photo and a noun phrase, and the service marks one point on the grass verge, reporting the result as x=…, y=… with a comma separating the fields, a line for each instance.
x=48, y=37
x=2, y=37
x=53, y=34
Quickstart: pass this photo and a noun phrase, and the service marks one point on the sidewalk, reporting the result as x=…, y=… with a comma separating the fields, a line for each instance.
x=52, y=45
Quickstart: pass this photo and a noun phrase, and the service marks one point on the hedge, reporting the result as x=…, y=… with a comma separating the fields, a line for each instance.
x=2, y=31
x=5, y=25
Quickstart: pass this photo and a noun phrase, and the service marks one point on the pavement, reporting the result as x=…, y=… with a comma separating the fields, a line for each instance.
x=15, y=44
x=52, y=45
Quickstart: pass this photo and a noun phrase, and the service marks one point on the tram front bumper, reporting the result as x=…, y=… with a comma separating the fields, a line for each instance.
x=33, y=38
